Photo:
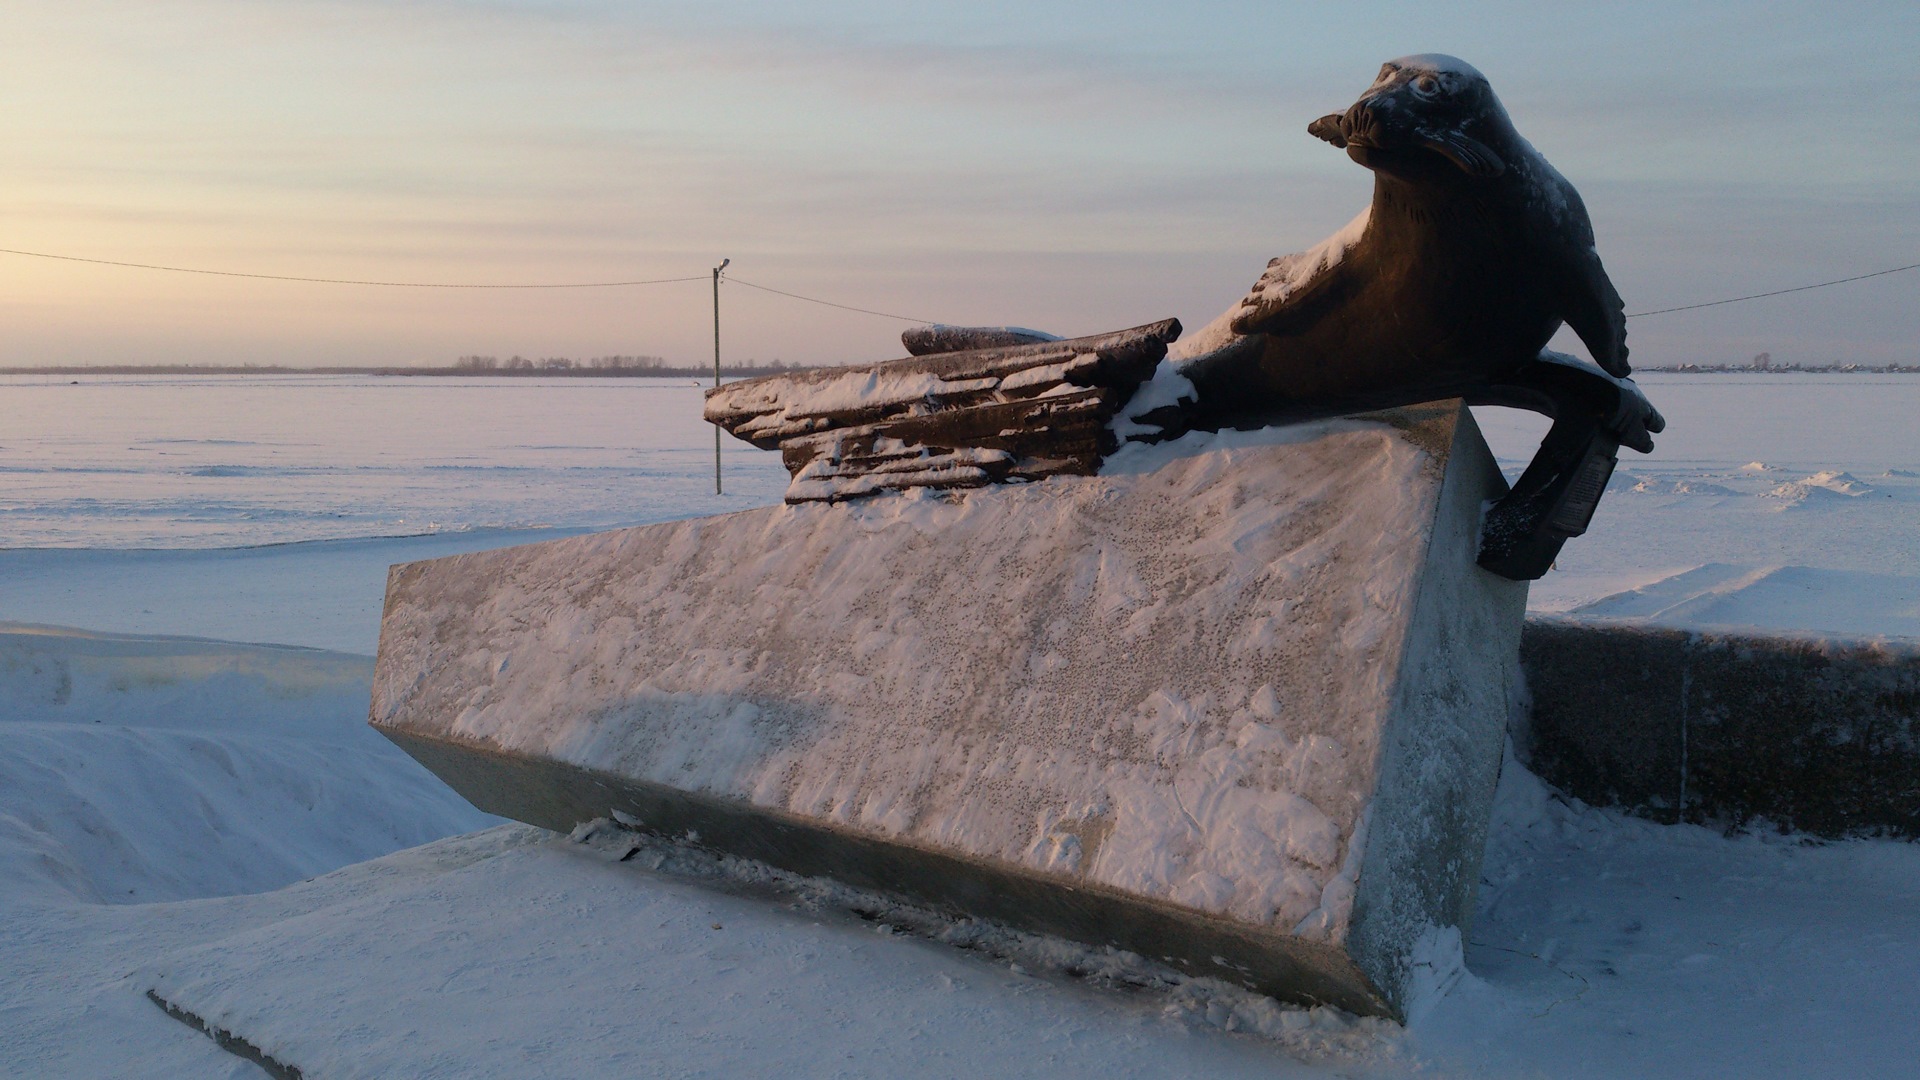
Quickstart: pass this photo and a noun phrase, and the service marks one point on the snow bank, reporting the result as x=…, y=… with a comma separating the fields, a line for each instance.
x=1827, y=484
x=1609, y=946
x=322, y=594
x=1815, y=471
x=1854, y=603
x=135, y=769
x=1605, y=946
x=54, y=675
x=586, y=967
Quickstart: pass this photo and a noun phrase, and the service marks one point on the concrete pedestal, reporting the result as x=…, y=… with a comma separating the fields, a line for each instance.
x=1236, y=703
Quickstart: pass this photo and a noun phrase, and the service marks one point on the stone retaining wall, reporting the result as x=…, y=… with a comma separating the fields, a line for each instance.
x=1806, y=733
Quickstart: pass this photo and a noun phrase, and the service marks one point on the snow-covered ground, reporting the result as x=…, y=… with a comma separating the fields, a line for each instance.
x=1784, y=501
x=216, y=820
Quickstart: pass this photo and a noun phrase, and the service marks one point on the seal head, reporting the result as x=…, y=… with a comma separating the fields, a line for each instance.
x=1419, y=106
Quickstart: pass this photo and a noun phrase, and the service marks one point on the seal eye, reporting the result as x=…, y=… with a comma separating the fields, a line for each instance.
x=1426, y=86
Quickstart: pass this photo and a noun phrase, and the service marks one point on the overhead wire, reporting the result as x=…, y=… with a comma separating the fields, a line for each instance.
x=1776, y=292
x=767, y=288
x=352, y=281
x=828, y=303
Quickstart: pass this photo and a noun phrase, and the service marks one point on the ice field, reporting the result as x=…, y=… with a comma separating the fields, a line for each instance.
x=215, y=819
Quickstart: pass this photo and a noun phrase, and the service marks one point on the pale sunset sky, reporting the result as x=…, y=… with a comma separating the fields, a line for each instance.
x=1075, y=167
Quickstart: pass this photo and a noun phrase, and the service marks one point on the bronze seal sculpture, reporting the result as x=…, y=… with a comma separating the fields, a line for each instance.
x=1471, y=256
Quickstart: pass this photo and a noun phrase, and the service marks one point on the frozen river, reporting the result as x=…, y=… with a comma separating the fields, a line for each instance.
x=267, y=508
x=236, y=461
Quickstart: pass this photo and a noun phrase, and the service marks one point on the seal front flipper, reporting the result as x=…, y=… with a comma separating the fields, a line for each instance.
x=1592, y=307
x=1296, y=289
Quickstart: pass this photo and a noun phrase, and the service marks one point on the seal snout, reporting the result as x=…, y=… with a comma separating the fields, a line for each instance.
x=1357, y=127
x=1332, y=128
x=1362, y=125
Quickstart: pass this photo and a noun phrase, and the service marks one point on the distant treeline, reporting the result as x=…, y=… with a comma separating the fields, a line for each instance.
x=656, y=367
x=1764, y=362
x=597, y=367
x=1778, y=369
x=601, y=365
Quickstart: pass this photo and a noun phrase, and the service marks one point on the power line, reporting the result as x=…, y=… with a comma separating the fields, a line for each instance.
x=448, y=285
x=347, y=281
x=1777, y=292
x=1634, y=315
x=831, y=304
x=764, y=288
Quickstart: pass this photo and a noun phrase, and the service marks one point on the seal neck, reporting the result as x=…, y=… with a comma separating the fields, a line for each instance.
x=1437, y=203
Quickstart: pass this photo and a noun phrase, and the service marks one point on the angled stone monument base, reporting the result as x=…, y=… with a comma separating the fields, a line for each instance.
x=1237, y=703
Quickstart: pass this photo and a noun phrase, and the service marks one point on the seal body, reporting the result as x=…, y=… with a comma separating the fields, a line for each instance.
x=1473, y=253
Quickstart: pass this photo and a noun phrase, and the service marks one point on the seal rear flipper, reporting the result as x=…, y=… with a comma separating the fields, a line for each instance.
x=1555, y=497
x=1552, y=502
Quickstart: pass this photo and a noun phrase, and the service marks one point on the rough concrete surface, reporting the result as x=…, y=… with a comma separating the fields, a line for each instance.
x=1237, y=702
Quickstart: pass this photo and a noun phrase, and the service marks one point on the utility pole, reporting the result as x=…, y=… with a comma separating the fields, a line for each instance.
x=716, y=368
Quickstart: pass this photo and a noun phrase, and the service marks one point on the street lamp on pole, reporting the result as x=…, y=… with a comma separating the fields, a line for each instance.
x=716, y=368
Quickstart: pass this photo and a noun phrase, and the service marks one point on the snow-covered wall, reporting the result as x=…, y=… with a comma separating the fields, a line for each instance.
x=1179, y=681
